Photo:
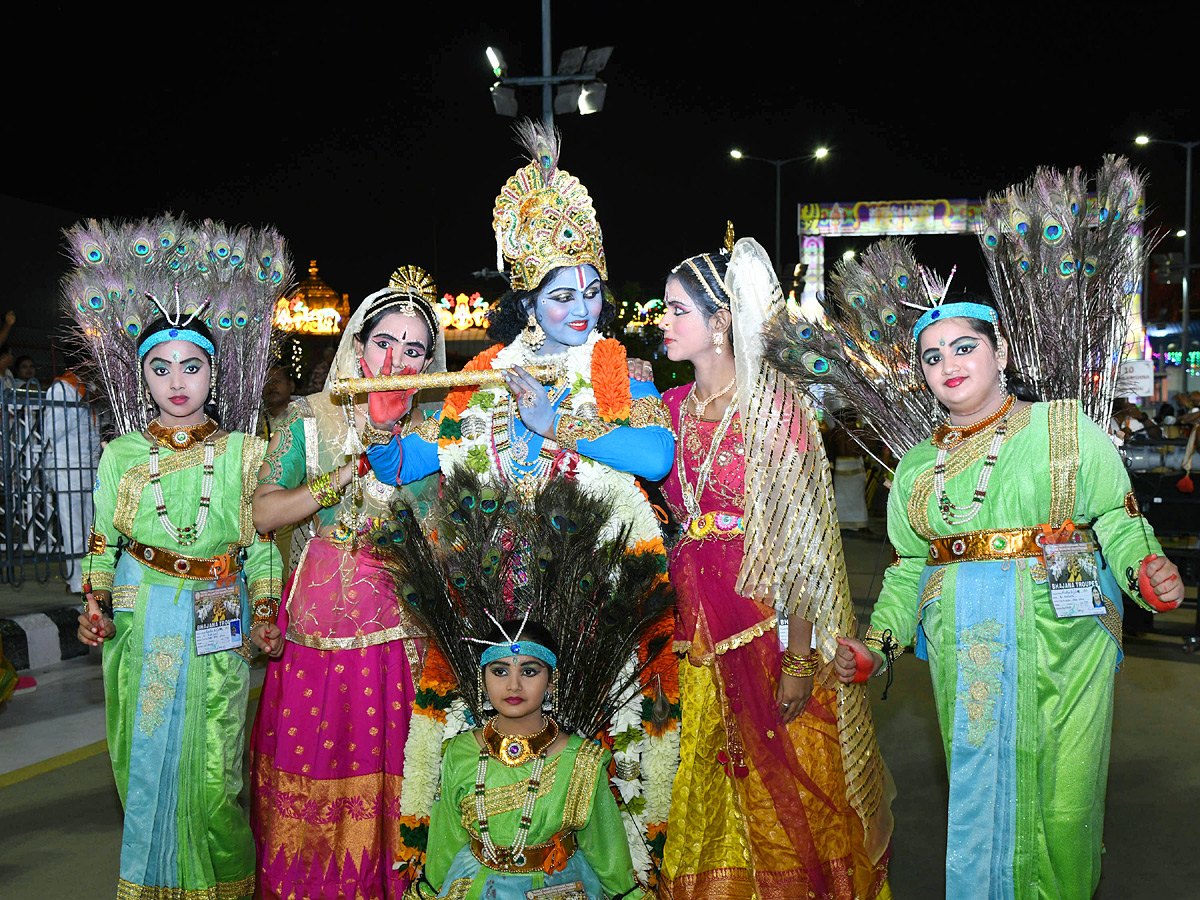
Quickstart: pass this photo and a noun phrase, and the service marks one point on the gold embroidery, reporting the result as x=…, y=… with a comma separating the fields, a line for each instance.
x=569, y=430
x=745, y=637
x=504, y=799
x=649, y=412
x=428, y=430
x=253, y=451
x=133, y=482
x=459, y=888
x=124, y=597
x=581, y=787
x=339, y=815
x=160, y=674
x=1064, y=459
x=266, y=588
x=960, y=460
x=933, y=588
x=226, y=890
x=101, y=581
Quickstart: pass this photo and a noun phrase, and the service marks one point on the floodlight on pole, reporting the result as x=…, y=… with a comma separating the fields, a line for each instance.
x=496, y=61
x=573, y=88
x=821, y=152
x=1182, y=232
x=591, y=98
x=1141, y=139
x=736, y=154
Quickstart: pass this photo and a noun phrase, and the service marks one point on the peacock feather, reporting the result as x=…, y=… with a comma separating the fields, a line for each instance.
x=484, y=551
x=1064, y=252
x=861, y=352
x=118, y=267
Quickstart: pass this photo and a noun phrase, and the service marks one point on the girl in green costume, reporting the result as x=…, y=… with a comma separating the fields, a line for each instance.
x=527, y=768
x=1023, y=686
x=175, y=568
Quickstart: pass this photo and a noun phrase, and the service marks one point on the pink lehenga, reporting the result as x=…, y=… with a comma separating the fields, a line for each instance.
x=757, y=809
x=327, y=750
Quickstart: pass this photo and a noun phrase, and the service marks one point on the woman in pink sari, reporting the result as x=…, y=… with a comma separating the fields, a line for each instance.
x=327, y=752
x=780, y=791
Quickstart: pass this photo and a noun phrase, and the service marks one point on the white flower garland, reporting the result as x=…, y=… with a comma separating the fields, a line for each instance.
x=656, y=757
x=475, y=423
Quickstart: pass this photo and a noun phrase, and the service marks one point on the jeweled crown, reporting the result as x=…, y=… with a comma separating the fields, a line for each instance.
x=543, y=217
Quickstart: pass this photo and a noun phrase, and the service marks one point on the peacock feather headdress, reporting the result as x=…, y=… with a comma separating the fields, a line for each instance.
x=486, y=556
x=543, y=217
x=127, y=275
x=1064, y=253
x=863, y=349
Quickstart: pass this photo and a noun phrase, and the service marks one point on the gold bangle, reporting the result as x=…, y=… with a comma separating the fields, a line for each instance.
x=799, y=666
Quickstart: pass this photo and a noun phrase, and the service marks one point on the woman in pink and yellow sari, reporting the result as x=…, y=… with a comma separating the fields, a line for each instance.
x=781, y=791
x=327, y=752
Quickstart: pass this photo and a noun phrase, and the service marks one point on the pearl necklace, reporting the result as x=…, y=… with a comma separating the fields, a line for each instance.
x=188, y=534
x=961, y=515
x=516, y=853
x=691, y=498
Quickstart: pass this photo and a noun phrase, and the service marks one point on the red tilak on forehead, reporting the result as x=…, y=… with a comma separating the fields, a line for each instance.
x=579, y=275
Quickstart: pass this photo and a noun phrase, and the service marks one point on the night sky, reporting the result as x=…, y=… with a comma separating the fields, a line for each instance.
x=370, y=141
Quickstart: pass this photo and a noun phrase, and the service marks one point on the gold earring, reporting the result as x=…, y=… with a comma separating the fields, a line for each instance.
x=533, y=336
x=718, y=339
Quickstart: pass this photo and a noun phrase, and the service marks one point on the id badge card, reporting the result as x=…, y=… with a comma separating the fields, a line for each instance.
x=218, y=619
x=572, y=890
x=1073, y=580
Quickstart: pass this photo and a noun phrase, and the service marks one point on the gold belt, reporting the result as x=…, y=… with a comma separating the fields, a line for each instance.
x=532, y=858
x=200, y=568
x=1003, y=543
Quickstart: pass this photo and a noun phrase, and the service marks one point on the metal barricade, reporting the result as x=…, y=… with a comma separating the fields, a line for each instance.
x=49, y=451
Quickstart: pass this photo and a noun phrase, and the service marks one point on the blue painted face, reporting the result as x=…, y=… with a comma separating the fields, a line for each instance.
x=568, y=307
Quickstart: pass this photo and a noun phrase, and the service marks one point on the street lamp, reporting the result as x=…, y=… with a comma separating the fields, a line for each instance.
x=819, y=153
x=1142, y=140
x=575, y=86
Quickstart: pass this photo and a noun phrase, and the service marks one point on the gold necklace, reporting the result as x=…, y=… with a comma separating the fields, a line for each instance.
x=691, y=498
x=517, y=749
x=947, y=436
x=698, y=405
x=183, y=437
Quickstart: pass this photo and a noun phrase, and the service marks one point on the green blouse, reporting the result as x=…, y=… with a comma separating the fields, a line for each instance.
x=124, y=503
x=573, y=796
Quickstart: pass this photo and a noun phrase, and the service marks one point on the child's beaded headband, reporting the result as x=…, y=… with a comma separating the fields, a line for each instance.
x=179, y=330
x=513, y=646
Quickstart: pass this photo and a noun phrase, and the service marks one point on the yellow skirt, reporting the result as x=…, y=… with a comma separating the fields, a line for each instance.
x=724, y=840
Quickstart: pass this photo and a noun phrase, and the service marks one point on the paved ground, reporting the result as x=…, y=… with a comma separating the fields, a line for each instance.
x=62, y=821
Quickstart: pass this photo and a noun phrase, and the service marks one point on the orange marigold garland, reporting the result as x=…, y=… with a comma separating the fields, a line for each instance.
x=610, y=381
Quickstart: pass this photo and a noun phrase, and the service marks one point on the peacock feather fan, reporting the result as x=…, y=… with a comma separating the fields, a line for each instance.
x=1064, y=252
x=861, y=351
x=228, y=277
x=485, y=551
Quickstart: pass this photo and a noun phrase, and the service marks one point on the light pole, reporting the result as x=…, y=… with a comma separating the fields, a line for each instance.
x=819, y=153
x=575, y=87
x=1187, y=244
